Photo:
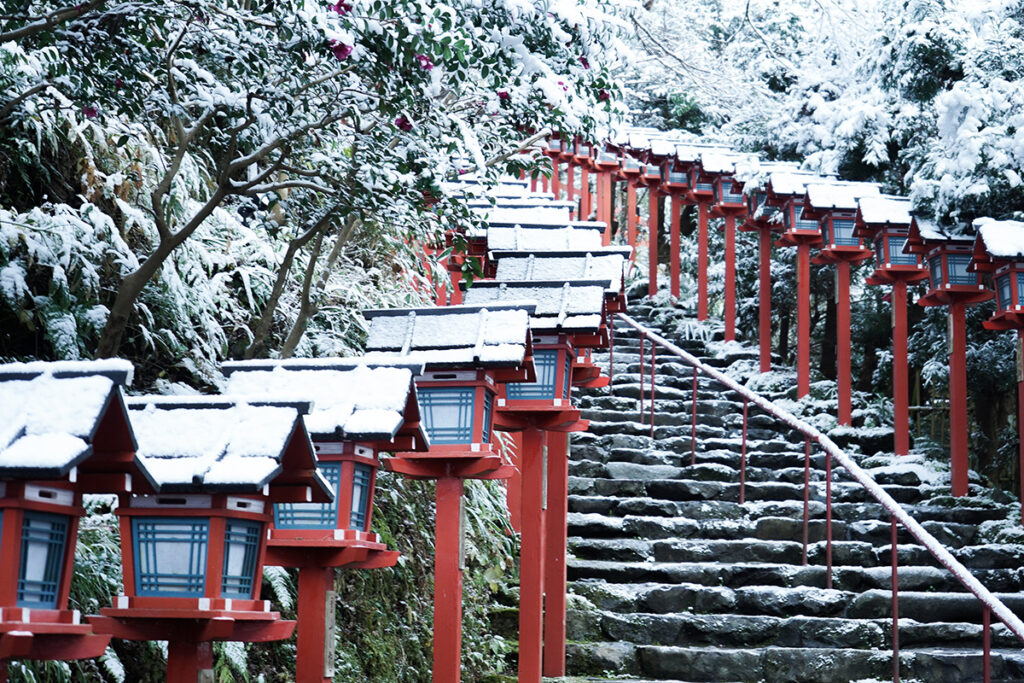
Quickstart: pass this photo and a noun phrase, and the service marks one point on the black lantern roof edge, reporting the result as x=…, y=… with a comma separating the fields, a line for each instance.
x=530, y=307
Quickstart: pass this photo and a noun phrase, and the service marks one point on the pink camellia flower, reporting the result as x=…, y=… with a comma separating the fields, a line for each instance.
x=504, y=96
x=565, y=88
x=603, y=95
x=462, y=171
x=403, y=123
x=342, y=8
x=585, y=62
x=340, y=50
x=118, y=83
x=90, y=112
x=425, y=62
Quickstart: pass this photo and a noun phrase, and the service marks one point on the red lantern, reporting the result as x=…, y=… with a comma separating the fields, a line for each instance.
x=64, y=433
x=951, y=283
x=193, y=551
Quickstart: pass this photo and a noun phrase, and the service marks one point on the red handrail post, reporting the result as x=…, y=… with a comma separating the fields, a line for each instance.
x=743, y=454
x=611, y=355
x=986, y=644
x=807, y=492
x=828, y=520
x=653, y=355
x=642, y=338
x=895, y=601
x=693, y=423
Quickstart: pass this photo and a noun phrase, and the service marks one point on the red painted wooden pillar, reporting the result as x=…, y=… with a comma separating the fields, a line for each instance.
x=4, y=668
x=570, y=185
x=531, y=554
x=556, y=180
x=315, y=609
x=456, y=296
x=652, y=239
x=702, y=261
x=448, y=581
x=843, y=342
x=602, y=208
x=514, y=484
x=730, y=277
x=958, y=397
x=533, y=183
x=1020, y=412
x=584, y=193
x=631, y=215
x=544, y=186
x=606, y=203
x=803, y=320
x=554, y=563
x=765, y=299
x=900, y=383
x=677, y=212
x=186, y=660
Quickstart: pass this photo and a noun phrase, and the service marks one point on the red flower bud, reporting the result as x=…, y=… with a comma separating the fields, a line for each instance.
x=90, y=112
x=403, y=123
x=340, y=50
x=342, y=8
x=585, y=62
x=425, y=62
x=603, y=95
x=503, y=95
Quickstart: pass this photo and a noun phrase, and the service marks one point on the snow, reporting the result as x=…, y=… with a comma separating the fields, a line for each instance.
x=929, y=230
x=724, y=162
x=524, y=214
x=356, y=402
x=454, y=335
x=111, y=367
x=43, y=451
x=886, y=209
x=544, y=239
x=589, y=266
x=1002, y=239
x=531, y=200
x=839, y=195
x=232, y=446
x=49, y=405
x=560, y=305
x=789, y=183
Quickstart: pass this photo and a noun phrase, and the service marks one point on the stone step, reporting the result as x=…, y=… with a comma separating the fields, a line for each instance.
x=808, y=665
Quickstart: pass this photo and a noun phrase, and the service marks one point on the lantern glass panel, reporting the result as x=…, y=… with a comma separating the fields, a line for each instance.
x=704, y=187
x=896, y=254
x=958, y=273
x=361, y=478
x=653, y=171
x=1020, y=288
x=1003, y=290
x=787, y=218
x=488, y=411
x=729, y=196
x=241, y=549
x=631, y=163
x=43, y=540
x=583, y=150
x=804, y=224
x=935, y=271
x=677, y=178
x=566, y=376
x=546, y=364
x=312, y=515
x=448, y=414
x=170, y=555
x=842, y=232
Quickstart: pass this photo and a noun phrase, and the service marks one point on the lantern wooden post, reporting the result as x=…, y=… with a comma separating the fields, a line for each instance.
x=951, y=284
x=675, y=246
x=730, y=277
x=652, y=242
x=631, y=217
x=702, y=261
x=584, y=192
x=556, y=177
x=570, y=185
x=803, y=320
x=531, y=571
x=448, y=553
x=900, y=371
x=765, y=298
x=556, y=539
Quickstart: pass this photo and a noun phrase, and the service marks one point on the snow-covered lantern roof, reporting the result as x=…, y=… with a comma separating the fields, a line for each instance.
x=569, y=316
x=834, y=206
x=884, y=220
x=999, y=250
x=787, y=191
x=727, y=189
x=467, y=351
x=524, y=209
x=551, y=236
x=193, y=552
x=754, y=176
x=582, y=149
x=606, y=156
x=63, y=432
x=607, y=263
x=948, y=259
x=357, y=409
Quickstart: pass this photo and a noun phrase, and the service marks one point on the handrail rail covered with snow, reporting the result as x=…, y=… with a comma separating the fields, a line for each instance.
x=939, y=552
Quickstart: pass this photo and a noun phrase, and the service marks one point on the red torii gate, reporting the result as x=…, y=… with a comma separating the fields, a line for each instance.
x=951, y=284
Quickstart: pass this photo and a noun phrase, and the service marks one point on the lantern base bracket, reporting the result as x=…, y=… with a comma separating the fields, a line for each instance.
x=290, y=552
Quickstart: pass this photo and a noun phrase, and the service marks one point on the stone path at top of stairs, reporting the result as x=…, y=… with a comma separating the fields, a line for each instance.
x=672, y=579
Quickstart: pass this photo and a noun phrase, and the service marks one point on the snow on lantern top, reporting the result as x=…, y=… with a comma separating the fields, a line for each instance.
x=605, y=264
x=884, y=209
x=56, y=416
x=469, y=336
x=842, y=196
x=562, y=306
x=545, y=237
x=1001, y=239
x=216, y=444
x=351, y=400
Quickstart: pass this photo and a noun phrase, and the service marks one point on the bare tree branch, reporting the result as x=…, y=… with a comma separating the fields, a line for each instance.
x=40, y=24
x=13, y=104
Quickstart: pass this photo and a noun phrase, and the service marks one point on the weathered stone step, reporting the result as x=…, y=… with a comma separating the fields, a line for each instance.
x=591, y=576
x=777, y=664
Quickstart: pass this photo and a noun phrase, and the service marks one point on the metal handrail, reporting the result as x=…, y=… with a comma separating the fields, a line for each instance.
x=945, y=558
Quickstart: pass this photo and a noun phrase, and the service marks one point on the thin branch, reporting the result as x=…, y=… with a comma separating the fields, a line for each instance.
x=690, y=68
x=771, y=51
x=13, y=104
x=50, y=20
x=526, y=144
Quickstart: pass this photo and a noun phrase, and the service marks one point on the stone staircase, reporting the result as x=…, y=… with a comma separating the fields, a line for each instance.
x=672, y=579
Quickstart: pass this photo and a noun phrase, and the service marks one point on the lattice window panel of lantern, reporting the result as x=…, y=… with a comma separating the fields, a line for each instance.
x=170, y=556
x=43, y=542
x=361, y=479
x=447, y=414
x=241, y=549
x=546, y=364
x=312, y=515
